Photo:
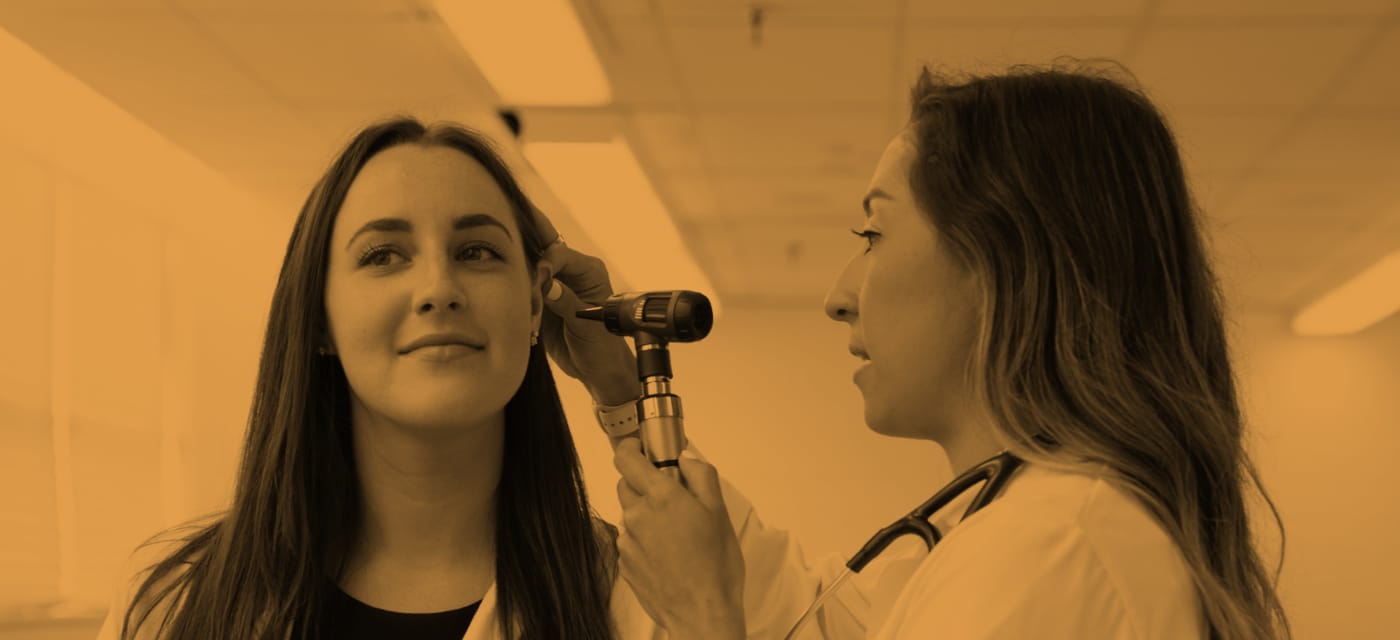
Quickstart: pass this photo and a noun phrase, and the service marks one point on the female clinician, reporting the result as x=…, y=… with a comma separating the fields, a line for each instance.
x=1032, y=278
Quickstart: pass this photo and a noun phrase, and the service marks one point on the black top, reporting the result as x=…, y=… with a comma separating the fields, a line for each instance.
x=349, y=619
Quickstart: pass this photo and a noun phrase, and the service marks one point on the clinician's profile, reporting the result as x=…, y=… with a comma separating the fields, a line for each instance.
x=1032, y=291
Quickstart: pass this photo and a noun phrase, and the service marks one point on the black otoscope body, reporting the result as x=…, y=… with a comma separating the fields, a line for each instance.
x=653, y=319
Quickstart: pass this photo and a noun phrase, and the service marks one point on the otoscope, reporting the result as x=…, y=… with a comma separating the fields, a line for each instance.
x=653, y=319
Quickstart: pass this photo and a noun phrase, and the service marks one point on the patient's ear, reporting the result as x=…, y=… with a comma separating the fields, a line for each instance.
x=544, y=272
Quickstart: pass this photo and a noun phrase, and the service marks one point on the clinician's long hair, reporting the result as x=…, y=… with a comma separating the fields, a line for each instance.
x=268, y=565
x=1062, y=190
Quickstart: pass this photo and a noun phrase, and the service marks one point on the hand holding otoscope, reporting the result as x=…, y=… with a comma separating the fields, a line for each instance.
x=683, y=523
x=653, y=319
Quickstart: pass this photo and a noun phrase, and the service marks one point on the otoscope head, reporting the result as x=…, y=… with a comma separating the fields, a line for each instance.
x=673, y=316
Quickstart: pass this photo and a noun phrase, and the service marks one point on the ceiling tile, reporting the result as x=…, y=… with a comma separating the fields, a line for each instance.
x=1257, y=284
x=1291, y=265
x=1272, y=8
x=1338, y=146
x=138, y=61
x=809, y=197
x=793, y=65
x=1282, y=240
x=1216, y=142
x=984, y=49
x=689, y=197
x=339, y=123
x=667, y=140
x=775, y=12
x=638, y=62
x=88, y=7
x=1246, y=66
x=627, y=9
x=1061, y=9
x=773, y=262
x=1346, y=204
x=283, y=8
x=1373, y=82
x=841, y=142
x=380, y=62
x=1263, y=265
x=566, y=124
x=286, y=147
x=1213, y=190
x=1295, y=238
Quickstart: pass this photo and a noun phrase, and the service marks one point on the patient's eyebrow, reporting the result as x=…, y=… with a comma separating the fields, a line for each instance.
x=460, y=222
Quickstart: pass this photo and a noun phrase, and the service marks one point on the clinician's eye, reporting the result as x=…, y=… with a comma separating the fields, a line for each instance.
x=479, y=251
x=869, y=236
x=379, y=255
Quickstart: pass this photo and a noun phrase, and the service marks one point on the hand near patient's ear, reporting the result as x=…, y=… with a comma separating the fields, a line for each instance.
x=584, y=349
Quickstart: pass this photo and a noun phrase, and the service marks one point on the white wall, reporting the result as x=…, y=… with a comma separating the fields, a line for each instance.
x=1326, y=415
x=131, y=303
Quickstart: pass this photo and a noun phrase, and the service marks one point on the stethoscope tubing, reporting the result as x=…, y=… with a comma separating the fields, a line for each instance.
x=994, y=472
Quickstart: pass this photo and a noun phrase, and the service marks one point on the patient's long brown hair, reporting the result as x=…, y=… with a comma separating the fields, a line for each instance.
x=1103, y=330
x=266, y=567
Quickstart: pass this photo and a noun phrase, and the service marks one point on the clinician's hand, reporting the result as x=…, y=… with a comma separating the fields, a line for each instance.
x=583, y=349
x=677, y=548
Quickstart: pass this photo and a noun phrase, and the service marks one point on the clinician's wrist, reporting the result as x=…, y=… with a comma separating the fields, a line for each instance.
x=615, y=390
x=618, y=420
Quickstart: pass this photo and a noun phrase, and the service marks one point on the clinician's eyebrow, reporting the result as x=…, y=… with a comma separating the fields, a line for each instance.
x=874, y=193
x=460, y=222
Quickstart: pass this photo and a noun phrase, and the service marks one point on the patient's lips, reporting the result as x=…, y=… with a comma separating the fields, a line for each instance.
x=443, y=347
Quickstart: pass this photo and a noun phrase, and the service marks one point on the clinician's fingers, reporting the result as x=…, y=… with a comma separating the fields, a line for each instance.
x=561, y=300
x=626, y=495
x=703, y=481
x=638, y=471
x=585, y=274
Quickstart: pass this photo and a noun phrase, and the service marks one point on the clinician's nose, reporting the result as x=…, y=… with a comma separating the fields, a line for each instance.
x=439, y=290
x=840, y=302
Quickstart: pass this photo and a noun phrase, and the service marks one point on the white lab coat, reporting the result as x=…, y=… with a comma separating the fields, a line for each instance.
x=1061, y=554
x=1058, y=555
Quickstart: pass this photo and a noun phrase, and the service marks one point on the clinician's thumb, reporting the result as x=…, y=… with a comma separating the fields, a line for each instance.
x=703, y=482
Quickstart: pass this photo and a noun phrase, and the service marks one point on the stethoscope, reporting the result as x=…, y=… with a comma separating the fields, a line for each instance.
x=996, y=472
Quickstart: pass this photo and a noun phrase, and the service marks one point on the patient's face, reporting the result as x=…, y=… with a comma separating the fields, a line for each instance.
x=429, y=297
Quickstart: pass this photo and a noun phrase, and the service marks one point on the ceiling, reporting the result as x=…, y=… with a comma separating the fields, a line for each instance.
x=761, y=134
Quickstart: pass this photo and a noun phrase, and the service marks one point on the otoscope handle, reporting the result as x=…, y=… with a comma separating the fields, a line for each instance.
x=663, y=439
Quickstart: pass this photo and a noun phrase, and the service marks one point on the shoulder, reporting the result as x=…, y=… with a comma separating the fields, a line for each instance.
x=143, y=562
x=1062, y=552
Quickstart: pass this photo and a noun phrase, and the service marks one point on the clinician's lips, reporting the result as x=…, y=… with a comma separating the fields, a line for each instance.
x=859, y=352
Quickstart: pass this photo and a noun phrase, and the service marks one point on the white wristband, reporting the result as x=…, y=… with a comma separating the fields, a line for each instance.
x=617, y=420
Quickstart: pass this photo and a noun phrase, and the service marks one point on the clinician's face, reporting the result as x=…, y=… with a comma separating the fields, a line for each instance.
x=911, y=309
x=428, y=295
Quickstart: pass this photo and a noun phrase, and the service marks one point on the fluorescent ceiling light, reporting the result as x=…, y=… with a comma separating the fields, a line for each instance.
x=607, y=192
x=1358, y=303
x=534, y=52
